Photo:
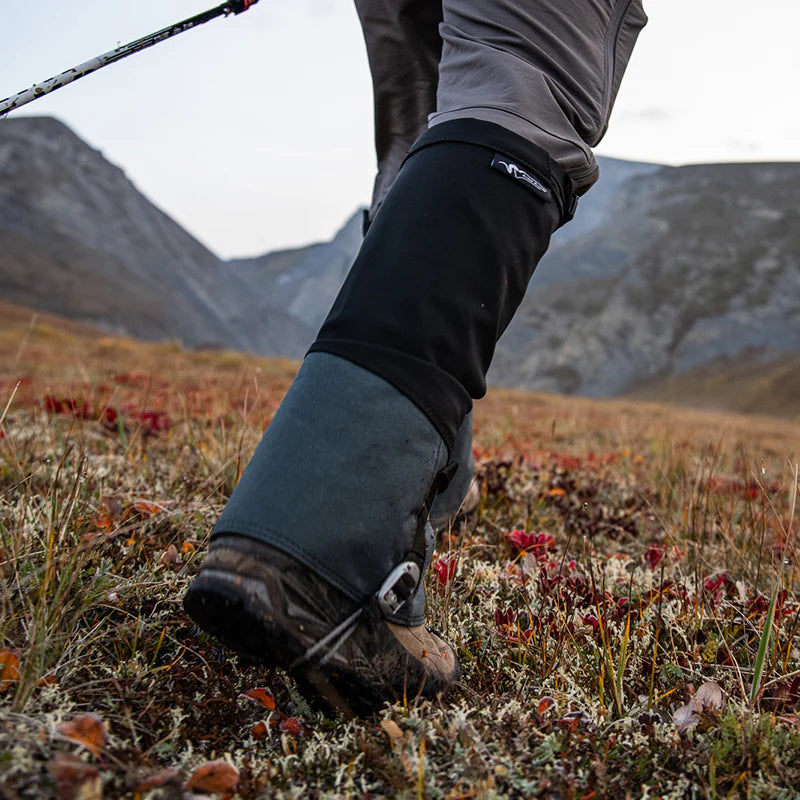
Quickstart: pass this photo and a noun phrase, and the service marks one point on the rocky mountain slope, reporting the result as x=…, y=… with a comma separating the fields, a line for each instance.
x=79, y=240
x=664, y=269
x=301, y=282
x=686, y=266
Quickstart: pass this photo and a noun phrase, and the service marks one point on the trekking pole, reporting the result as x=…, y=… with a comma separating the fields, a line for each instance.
x=70, y=75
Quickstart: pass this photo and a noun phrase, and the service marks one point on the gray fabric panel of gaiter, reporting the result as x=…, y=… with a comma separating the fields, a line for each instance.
x=448, y=503
x=340, y=477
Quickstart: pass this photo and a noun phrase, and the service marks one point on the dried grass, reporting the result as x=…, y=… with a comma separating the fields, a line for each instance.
x=657, y=558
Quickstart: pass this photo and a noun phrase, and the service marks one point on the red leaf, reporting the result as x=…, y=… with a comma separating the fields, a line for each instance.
x=67, y=405
x=152, y=422
x=262, y=697
x=537, y=543
x=545, y=703
x=259, y=730
x=109, y=419
x=445, y=569
x=573, y=720
x=504, y=618
x=591, y=620
x=292, y=726
x=567, y=462
x=654, y=554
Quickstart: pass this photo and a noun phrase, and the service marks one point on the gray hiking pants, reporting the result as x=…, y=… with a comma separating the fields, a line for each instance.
x=548, y=70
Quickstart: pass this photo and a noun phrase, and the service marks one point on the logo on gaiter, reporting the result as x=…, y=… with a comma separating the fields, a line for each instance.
x=508, y=167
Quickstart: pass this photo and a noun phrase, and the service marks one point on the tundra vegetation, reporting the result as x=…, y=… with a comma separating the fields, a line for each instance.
x=624, y=600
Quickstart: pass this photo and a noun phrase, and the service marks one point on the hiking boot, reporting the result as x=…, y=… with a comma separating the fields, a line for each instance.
x=315, y=563
x=270, y=609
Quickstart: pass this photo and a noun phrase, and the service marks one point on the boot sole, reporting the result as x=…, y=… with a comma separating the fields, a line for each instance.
x=219, y=604
x=222, y=604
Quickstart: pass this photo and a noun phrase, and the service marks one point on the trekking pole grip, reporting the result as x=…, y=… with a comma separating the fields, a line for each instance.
x=237, y=6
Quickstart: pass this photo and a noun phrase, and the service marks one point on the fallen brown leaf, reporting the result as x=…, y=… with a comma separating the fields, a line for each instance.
x=708, y=699
x=288, y=744
x=147, y=508
x=9, y=669
x=47, y=679
x=104, y=521
x=87, y=730
x=687, y=716
x=214, y=776
x=171, y=558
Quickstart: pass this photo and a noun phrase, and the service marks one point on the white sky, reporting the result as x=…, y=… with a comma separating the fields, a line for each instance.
x=255, y=131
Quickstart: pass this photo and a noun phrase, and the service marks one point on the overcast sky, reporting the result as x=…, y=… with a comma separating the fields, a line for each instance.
x=255, y=131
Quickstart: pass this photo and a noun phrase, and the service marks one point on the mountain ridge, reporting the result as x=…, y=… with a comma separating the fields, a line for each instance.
x=663, y=270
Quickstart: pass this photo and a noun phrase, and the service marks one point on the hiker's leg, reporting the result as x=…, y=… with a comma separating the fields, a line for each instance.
x=548, y=70
x=525, y=88
x=342, y=479
x=529, y=81
x=403, y=47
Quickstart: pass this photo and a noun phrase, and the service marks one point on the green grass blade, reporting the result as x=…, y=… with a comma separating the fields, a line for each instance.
x=762, y=647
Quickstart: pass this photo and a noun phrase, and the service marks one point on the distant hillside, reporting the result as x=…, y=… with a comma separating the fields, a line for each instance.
x=301, y=282
x=686, y=266
x=667, y=275
x=79, y=240
x=21, y=318
x=742, y=385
